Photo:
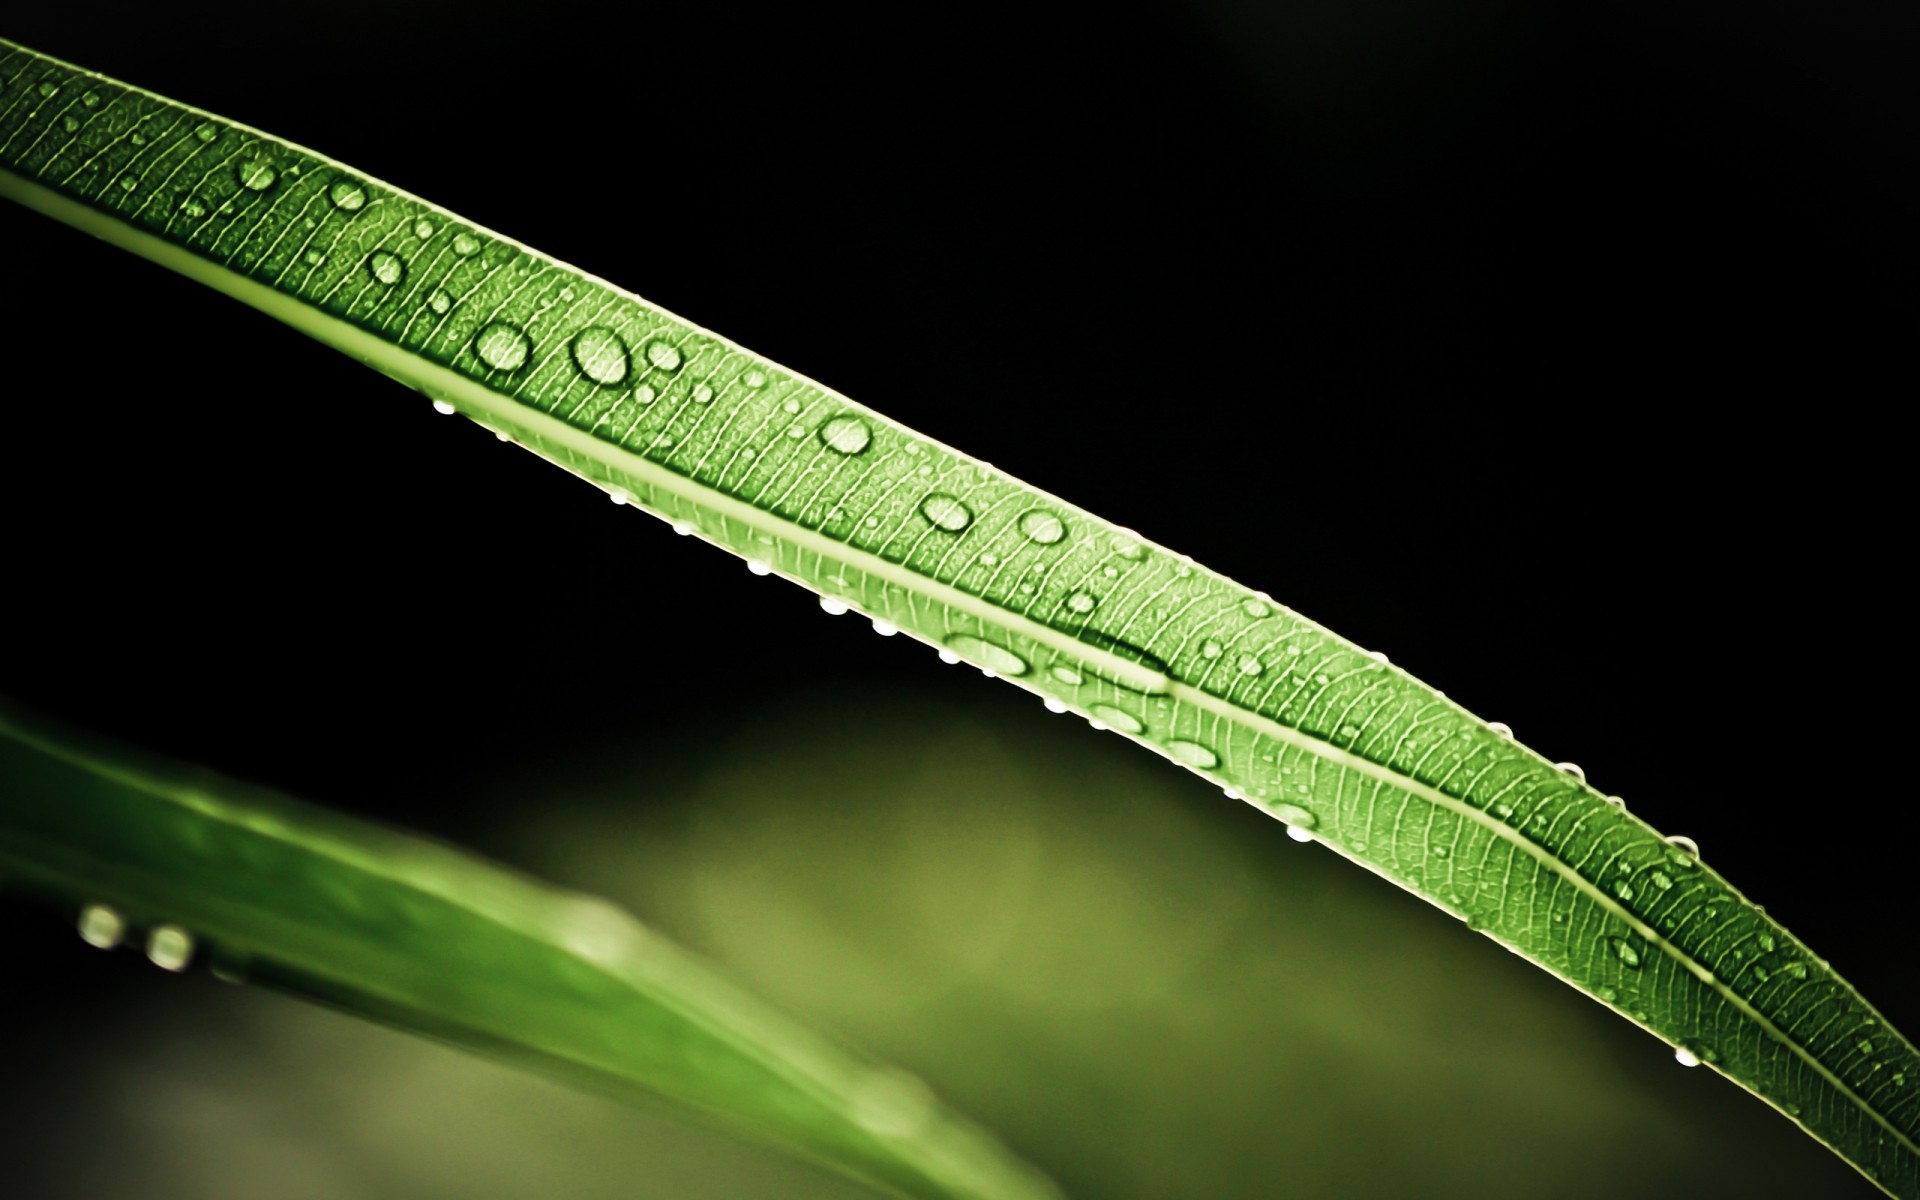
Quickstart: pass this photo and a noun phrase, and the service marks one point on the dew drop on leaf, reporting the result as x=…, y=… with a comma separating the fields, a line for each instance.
x=170, y=947
x=946, y=512
x=990, y=655
x=1256, y=609
x=439, y=301
x=1624, y=951
x=206, y=132
x=502, y=346
x=346, y=195
x=1066, y=675
x=1685, y=852
x=1082, y=602
x=755, y=378
x=845, y=435
x=1501, y=728
x=663, y=355
x=1117, y=718
x=465, y=244
x=702, y=394
x=102, y=927
x=1685, y=1057
x=1042, y=527
x=1193, y=754
x=386, y=268
x=1055, y=705
x=256, y=174
x=1294, y=815
x=423, y=229
x=601, y=355
x=1572, y=769
x=1249, y=665
x=758, y=568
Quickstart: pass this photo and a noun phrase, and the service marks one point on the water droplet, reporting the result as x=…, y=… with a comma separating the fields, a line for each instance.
x=1685, y=852
x=946, y=512
x=1256, y=609
x=1617, y=802
x=1211, y=648
x=664, y=356
x=1685, y=1057
x=833, y=606
x=1795, y=970
x=1067, y=675
x=994, y=657
x=70, y=124
x=1082, y=602
x=1249, y=665
x=465, y=244
x=601, y=355
x=347, y=195
x=48, y=89
x=170, y=947
x=256, y=174
x=949, y=657
x=1661, y=880
x=758, y=567
x=1572, y=769
x=1055, y=705
x=1866, y=1046
x=502, y=346
x=313, y=258
x=386, y=268
x=1117, y=718
x=439, y=301
x=754, y=378
x=444, y=408
x=423, y=229
x=1766, y=942
x=1443, y=851
x=885, y=628
x=1501, y=728
x=796, y=431
x=1607, y=992
x=1624, y=951
x=101, y=926
x=91, y=100
x=702, y=394
x=193, y=208
x=1042, y=527
x=1193, y=754
x=207, y=132
x=617, y=496
x=1294, y=815
x=1503, y=811
x=1623, y=889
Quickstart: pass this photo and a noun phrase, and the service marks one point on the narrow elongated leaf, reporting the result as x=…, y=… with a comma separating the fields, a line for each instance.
x=1339, y=744
x=422, y=936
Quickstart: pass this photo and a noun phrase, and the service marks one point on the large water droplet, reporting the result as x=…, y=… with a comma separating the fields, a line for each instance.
x=1685, y=1057
x=1572, y=769
x=1193, y=754
x=601, y=355
x=256, y=174
x=1624, y=951
x=1042, y=527
x=1117, y=718
x=386, y=268
x=423, y=229
x=170, y=947
x=946, y=512
x=465, y=244
x=758, y=568
x=845, y=434
x=664, y=356
x=1054, y=704
x=439, y=301
x=1211, y=648
x=101, y=926
x=502, y=346
x=993, y=657
x=347, y=195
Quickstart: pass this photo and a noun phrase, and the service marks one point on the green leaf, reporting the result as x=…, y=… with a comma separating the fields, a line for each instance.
x=1342, y=746
x=422, y=936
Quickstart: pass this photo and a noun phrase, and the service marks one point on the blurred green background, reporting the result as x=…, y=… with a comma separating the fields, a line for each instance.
x=1545, y=350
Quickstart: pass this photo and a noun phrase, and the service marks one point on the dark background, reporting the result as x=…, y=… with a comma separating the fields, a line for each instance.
x=1559, y=351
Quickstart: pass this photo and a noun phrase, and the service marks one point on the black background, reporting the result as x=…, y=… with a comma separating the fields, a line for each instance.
x=1558, y=351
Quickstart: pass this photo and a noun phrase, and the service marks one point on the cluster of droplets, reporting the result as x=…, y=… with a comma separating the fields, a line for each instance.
x=168, y=946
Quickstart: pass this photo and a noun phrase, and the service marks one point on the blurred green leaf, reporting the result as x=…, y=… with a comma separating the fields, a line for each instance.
x=422, y=936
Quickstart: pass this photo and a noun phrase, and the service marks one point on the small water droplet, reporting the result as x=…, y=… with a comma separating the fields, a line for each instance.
x=885, y=628
x=1256, y=609
x=682, y=529
x=833, y=606
x=206, y=132
x=1685, y=852
x=754, y=378
x=1766, y=942
x=1502, y=811
x=70, y=124
x=702, y=394
x=1066, y=675
x=386, y=268
x=170, y=947
x=758, y=567
x=128, y=183
x=444, y=408
x=1623, y=889
x=423, y=229
x=949, y=657
x=617, y=496
x=1055, y=705
x=347, y=195
x=193, y=208
x=465, y=244
x=1249, y=665
x=1193, y=754
x=256, y=174
x=601, y=355
x=502, y=346
x=946, y=512
x=1117, y=718
x=1661, y=880
x=439, y=301
x=1624, y=951
x=1082, y=602
x=1572, y=769
x=313, y=258
x=91, y=100
x=1685, y=1057
x=796, y=431
x=1794, y=970
x=1501, y=728
x=994, y=657
x=48, y=89
x=102, y=927
x=1607, y=992
x=1042, y=527
x=1294, y=816
x=664, y=356
x=1442, y=851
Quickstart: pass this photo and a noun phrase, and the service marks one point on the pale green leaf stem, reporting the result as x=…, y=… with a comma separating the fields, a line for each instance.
x=196, y=868
x=1342, y=746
